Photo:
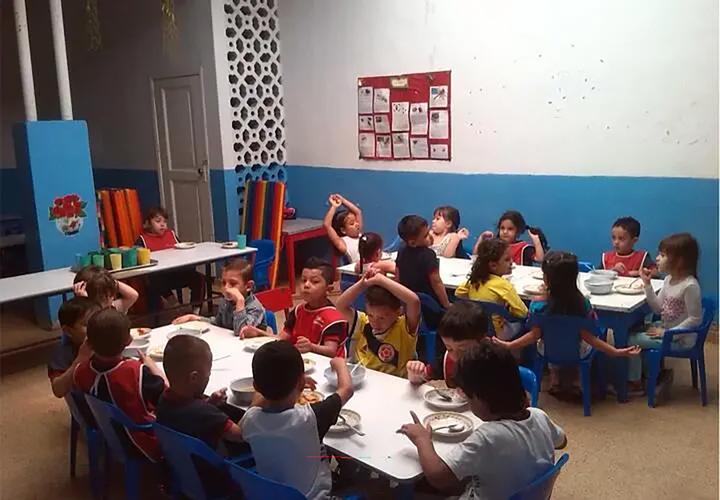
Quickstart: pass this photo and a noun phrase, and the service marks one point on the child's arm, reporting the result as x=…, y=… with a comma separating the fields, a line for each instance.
x=62, y=384
x=439, y=288
x=652, y=298
x=328, y=348
x=529, y=338
x=484, y=235
x=606, y=348
x=344, y=302
x=344, y=381
x=151, y=365
x=334, y=238
x=417, y=372
x=128, y=296
x=249, y=331
x=234, y=433
x=455, y=239
x=537, y=243
x=189, y=317
x=436, y=471
x=411, y=300
x=353, y=208
x=386, y=266
x=515, y=305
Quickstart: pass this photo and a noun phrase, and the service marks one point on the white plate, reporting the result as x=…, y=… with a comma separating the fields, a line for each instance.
x=442, y=418
x=185, y=245
x=195, y=328
x=351, y=417
x=535, y=289
x=432, y=398
x=309, y=364
x=253, y=345
x=138, y=333
x=538, y=275
x=627, y=290
x=229, y=245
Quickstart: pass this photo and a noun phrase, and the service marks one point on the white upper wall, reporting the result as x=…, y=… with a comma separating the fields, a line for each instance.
x=600, y=87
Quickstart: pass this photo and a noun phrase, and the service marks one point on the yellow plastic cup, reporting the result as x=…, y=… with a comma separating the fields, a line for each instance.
x=143, y=256
x=116, y=261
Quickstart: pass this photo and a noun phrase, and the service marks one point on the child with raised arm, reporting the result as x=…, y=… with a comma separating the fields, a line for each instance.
x=623, y=258
x=382, y=337
x=98, y=285
x=514, y=444
x=344, y=227
x=446, y=232
x=511, y=225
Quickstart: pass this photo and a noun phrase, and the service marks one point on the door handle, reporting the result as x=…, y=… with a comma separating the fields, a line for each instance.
x=203, y=170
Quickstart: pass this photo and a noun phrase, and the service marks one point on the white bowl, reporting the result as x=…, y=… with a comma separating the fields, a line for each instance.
x=604, y=273
x=599, y=286
x=357, y=377
x=141, y=344
x=243, y=390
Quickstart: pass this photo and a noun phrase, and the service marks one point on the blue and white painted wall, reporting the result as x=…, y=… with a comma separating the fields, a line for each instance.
x=573, y=113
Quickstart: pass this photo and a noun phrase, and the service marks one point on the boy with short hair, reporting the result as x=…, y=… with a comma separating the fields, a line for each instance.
x=315, y=325
x=239, y=309
x=286, y=439
x=463, y=326
x=133, y=385
x=623, y=258
x=514, y=444
x=183, y=406
x=71, y=348
x=98, y=285
x=382, y=337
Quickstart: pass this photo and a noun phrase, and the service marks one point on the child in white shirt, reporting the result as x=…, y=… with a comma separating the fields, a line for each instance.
x=345, y=227
x=446, y=233
x=512, y=446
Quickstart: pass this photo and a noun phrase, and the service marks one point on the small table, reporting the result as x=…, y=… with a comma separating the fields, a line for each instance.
x=295, y=230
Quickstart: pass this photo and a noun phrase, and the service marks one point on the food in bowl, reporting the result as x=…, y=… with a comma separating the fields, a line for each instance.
x=156, y=352
x=599, y=286
x=357, y=375
x=309, y=397
x=243, y=390
x=137, y=345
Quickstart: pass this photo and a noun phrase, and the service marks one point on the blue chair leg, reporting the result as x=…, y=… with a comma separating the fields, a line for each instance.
x=654, y=359
x=585, y=387
x=534, y=397
x=94, y=443
x=538, y=369
x=74, y=429
x=132, y=479
x=703, y=380
x=693, y=372
x=430, y=347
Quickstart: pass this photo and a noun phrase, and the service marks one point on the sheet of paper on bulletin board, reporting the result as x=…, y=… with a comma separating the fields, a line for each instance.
x=404, y=117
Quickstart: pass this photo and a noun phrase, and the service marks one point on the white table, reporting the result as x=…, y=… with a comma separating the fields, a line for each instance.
x=56, y=281
x=383, y=401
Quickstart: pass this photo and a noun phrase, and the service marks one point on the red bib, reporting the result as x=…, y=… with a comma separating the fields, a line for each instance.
x=516, y=250
x=632, y=261
x=159, y=242
x=313, y=323
x=448, y=370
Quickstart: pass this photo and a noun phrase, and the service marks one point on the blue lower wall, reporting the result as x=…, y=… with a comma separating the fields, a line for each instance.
x=575, y=212
x=223, y=190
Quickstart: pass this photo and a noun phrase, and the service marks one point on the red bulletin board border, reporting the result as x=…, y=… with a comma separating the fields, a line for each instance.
x=417, y=91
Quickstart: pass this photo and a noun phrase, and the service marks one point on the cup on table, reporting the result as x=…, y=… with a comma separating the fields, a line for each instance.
x=129, y=257
x=98, y=259
x=82, y=260
x=116, y=261
x=143, y=256
x=241, y=240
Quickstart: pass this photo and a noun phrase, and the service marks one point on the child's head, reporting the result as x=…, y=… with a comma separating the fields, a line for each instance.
x=370, y=247
x=560, y=270
x=102, y=288
x=382, y=308
x=187, y=362
x=317, y=276
x=414, y=231
x=278, y=371
x=625, y=233
x=73, y=316
x=346, y=223
x=238, y=274
x=489, y=376
x=510, y=226
x=678, y=254
x=446, y=219
x=156, y=220
x=493, y=257
x=108, y=332
x=462, y=326
x=87, y=273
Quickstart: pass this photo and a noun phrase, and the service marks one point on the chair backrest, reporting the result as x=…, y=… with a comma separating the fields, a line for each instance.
x=271, y=320
x=178, y=449
x=709, y=310
x=107, y=413
x=276, y=299
x=585, y=267
x=529, y=382
x=542, y=486
x=461, y=252
x=394, y=246
x=256, y=487
x=71, y=399
x=263, y=259
x=428, y=303
x=561, y=336
x=492, y=308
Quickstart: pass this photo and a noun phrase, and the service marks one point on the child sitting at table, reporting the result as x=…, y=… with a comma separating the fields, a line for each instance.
x=679, y=302
x=370, y=248
x=183, y=406
x=512, y=446
x=417, y=266
x=463, y=325
x=446, y=235
x=71, y=348
x=239, y=310
x=157, y=235
x=623, y=258
x=97, y=284
x=315, y=325
x=509, y=227
x=486, y=283
x=344, y=227
x=382, y=337
x=285, y=437
x=560, y=272
x=132, y=385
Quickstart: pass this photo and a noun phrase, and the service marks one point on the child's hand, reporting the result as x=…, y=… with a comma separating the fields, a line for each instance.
x=79, y=289
x=499, y=342
x=235, y=296
x=335, y=200
x=645, y=275
x=534, y=236
x=337, y=364
x=247, y=332
x=463, y=233
x=656, y=332
x=185, y=318
x=620, y=268
x=416, y=432
x=416, y=372
x=310, y=383
x=85, y=352
x=218, y=397
x=633, y=350
x=486, y=234
x=303, y=345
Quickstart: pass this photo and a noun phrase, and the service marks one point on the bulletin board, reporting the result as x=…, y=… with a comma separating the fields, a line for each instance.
x=404, y=117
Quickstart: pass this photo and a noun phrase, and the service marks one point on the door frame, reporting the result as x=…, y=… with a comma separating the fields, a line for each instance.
x=204, y=138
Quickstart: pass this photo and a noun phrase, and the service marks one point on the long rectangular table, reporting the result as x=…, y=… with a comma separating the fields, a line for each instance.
x=383, y=401
x=616, y=311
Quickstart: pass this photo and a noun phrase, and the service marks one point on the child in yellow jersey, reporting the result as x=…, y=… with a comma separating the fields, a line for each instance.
x=486, y=283
x=382, y=337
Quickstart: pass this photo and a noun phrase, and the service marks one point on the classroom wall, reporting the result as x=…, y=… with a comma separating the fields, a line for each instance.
x=574, y=113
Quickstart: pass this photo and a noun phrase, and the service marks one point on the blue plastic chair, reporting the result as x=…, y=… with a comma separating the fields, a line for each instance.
x=696, y=354
x=427, y=303
x=178, y=449
x=94, y=444
x=256, y=487
x=105, y=414
x=461, y=252
x=530, y=384
x=492, y=308
x=542, y=486
x=561, y=338
x=394, y=246
x=271, y=320
x=585, y=267
x=263, y=258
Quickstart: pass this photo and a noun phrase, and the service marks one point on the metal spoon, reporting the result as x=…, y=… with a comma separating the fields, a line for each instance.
x=444, y=396
x=354, y=429
x=453, y=428
x=352, y=370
